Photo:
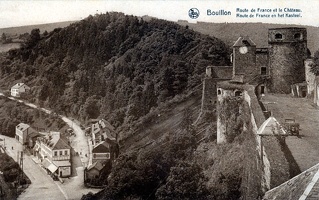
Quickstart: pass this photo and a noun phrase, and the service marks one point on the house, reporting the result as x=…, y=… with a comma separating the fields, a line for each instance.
x=26, y=135
x=100, y=130
x=94, y=170
x=22, y=131
x=19, y=89
x=105, y=150
x=95, y=173
x=103, y=155
x=55, y=154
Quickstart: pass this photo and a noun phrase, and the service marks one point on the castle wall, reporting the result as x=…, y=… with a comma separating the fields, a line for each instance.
x=227, y=108
x=246, y=110
x=222, y=72
x=208, y=95
x=310, y=77
x=316, y=91
x=213, y=74
x=262, y=61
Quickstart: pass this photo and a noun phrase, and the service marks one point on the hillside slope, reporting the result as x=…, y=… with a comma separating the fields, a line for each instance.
x=111, y=65
x=27, y=29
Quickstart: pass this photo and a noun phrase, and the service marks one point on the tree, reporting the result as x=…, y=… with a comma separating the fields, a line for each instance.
x=45, y=33
x=185, y=181
x=33, y=38
x=3, y=38
x=90, y=109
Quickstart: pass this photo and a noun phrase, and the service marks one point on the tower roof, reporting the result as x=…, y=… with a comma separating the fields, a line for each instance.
x=244, y=41
x=271, y=127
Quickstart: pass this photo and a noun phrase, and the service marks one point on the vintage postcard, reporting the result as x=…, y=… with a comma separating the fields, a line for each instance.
x=159, y=99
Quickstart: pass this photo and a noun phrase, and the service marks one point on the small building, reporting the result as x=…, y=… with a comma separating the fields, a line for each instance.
x=94, y=175
x=19, y=89
x=22, y=131
x=104, y=151
x=94, y=171
x=103, y=155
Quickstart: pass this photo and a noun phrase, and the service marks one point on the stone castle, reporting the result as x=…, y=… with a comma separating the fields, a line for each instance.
x=282, y=67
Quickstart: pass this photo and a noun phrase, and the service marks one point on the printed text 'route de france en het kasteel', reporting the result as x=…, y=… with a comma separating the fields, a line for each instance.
x=268, y=13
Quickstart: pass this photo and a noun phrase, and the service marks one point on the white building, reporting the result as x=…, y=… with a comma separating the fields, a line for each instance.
x=55, y=154
x=22, y=131
x=18, y=89
x=101, y=130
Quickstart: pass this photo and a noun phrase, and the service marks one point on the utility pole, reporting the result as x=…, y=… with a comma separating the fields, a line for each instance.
x=20, y=160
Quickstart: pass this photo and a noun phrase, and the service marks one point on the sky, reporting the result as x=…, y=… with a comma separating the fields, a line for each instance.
x=302, y=12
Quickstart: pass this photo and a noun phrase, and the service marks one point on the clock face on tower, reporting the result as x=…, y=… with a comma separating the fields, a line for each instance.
x=243, y=50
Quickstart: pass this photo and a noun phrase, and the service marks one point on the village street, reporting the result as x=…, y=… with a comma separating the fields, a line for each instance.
x=43, y=185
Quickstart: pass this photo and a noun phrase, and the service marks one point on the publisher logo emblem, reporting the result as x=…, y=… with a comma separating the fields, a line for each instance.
x=193, y=13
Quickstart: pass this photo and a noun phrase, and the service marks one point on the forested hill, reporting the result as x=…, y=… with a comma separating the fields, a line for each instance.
x=111, y=65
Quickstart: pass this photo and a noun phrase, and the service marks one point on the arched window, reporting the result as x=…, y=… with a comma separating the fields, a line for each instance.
x=297, y=36
x=219, y=92
x=278, y=36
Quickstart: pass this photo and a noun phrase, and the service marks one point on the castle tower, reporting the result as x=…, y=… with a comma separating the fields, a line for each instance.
x=287, y=52
x=244, y=59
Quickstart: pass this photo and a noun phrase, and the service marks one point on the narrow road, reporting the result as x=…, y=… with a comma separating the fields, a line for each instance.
x=42, y=184
x=304, y=149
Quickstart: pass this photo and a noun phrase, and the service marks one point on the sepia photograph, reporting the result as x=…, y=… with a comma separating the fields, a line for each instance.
x=159, y=99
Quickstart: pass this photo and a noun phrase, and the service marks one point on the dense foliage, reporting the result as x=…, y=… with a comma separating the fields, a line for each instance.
x=162, y=172
x=12, y=113
x=112, y=65
x=10, y=169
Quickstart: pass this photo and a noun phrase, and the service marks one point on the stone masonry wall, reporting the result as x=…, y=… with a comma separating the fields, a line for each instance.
x=270, y=159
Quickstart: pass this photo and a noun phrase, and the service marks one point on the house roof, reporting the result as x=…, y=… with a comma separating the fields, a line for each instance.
x=244, y=41
x=271, y=127
x=105, y=124
x=22, y=126
x=102, y=147
x=18, y=85
x=34, y=134
x=54, y=141
x=302, y=186
x=96, y=165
